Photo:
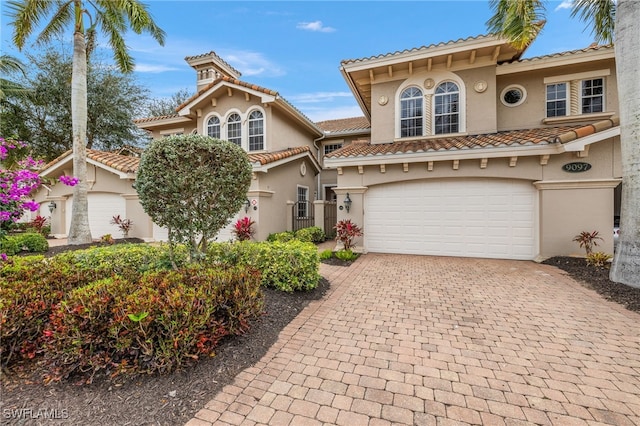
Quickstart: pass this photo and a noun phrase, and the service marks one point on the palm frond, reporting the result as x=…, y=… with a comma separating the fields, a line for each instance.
x=519, y=21
x=600, y=15
x=9, y=64
x=62, y=16
x=25, y=15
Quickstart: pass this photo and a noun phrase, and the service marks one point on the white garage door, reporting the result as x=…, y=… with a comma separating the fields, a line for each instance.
x=102, y=208
x=470, y=218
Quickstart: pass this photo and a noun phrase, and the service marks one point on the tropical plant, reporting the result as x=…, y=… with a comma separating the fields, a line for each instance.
x=520, y=21
x=124, y=224
x=587, y=240
x=193, y=185
x=346, y=255
x=346, y=232
x=243, y=229
x=113, y=18
x=8, y=65
x=598, y=259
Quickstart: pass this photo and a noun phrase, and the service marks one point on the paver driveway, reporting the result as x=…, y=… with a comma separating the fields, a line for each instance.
x=435, y=340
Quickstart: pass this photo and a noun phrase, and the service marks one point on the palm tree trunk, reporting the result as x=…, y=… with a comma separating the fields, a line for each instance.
x=79, y=232
x=626, y=263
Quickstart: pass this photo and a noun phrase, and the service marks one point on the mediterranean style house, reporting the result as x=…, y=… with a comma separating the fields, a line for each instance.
x=464, y=149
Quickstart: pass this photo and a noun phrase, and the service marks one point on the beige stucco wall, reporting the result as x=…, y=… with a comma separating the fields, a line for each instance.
x=533, y=110
x=568, y=203
x=272, y=191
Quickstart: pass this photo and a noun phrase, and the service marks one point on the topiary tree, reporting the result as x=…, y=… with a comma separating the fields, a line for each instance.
x=193, y=185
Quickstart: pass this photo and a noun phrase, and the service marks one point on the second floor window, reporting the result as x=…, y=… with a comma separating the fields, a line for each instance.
x=330, y=147
x=213, y=127
x=411, y=112
x=446, y=108
x=256, y=131
x=592, y=95
x=234, y=129
x=556, y=100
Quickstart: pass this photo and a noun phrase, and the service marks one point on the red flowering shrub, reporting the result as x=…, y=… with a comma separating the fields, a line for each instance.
x=243, y=229
x=346, y=232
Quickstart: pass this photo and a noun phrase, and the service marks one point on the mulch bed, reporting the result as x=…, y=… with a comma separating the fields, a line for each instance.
x=174, y=399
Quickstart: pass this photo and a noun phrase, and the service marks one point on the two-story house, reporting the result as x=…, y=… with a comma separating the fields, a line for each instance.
x=476, y=152
x=464, y=149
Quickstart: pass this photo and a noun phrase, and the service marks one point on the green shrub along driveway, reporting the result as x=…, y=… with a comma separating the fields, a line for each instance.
x=123, y=308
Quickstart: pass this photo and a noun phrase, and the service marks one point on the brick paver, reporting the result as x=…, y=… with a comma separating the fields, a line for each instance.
x=436, y=340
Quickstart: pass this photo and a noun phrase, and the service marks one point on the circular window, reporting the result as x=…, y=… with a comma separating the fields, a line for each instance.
x=513, y=95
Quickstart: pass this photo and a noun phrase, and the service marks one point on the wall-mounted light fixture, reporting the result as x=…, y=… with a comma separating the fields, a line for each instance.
x=52, y=206
x=247, y=204
x=347, y=203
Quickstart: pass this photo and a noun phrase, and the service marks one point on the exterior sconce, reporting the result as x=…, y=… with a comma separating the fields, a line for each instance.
x=347, y=203
x=247, y=204
x=52, y=206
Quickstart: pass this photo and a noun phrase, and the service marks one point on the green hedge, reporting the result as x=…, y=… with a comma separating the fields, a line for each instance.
x=31, y=242
x=288, y=266
x=313, y=234
x=157, y=323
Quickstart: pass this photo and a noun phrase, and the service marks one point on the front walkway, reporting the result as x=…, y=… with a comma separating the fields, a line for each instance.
x=435, y=340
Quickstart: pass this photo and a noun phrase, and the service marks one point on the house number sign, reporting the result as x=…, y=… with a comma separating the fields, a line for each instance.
x=576, y=167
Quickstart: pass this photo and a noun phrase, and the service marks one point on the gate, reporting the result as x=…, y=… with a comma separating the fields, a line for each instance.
x=303, y=216
x=330, y=218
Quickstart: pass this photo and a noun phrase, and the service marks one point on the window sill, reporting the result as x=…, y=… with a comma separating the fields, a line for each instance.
x=575, y=118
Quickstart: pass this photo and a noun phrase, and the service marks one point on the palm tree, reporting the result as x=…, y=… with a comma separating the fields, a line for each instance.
x=9, y=64
x=113, y=18
x=520, y=21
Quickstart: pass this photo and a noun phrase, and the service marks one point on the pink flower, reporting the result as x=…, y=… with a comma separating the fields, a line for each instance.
x=3, y=256
x=69, y=180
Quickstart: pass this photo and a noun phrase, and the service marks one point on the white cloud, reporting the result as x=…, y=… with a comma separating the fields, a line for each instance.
x=565, y=4
x=308, y=98
x=154, y=69
x=316, y=26
x=251, y=63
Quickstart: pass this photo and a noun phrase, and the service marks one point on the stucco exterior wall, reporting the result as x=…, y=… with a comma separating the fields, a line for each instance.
x=533, y=110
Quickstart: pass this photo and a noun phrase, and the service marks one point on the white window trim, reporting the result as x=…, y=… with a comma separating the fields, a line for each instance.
x=511, y=87
x=577, y=76
x=170, y=132
x=567, y=99
x=604, y=93
x=433, y=107
x=438, y=78
x=306, y=188
x=205, y=125
x=264, y=129
x=224, y=132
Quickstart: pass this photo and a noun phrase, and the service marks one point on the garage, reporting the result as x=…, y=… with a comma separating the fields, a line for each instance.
x=102, y=208
x=489, y=218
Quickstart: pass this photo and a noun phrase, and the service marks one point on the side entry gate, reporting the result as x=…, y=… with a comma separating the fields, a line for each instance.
x=303, y=215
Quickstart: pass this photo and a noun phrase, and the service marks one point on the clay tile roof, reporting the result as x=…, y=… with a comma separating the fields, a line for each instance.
x=542, y=136
x=271, y=157
x=587, y=130
x=229, y=80
x=416, y=49
x=344, y=125
x=213, y=54
x=122, y=163
x=150, y=119
x=591, y=48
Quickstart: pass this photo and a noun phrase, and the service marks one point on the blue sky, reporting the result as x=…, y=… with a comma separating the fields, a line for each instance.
x=295, y=47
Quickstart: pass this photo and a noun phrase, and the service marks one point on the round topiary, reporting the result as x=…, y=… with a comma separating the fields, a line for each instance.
x=193, y=185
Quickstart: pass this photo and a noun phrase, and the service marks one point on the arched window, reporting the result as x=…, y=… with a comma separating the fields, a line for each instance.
x=446, y=111
x=234, y=129
x=411, y=112
x=213, y=127
x=256, y=131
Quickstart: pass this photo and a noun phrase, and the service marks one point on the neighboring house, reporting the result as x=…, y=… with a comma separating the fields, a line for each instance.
x=464, y=149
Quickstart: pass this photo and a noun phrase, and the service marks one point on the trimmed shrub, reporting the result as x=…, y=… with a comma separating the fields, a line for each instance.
x=281, y=237
x=156, y=324
x=288, y=266
x=598, y=259
x=9, y=246
x=326, y=255
x=31, y=286
x=32, y=242
x=346, y=255
x=312, y=234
